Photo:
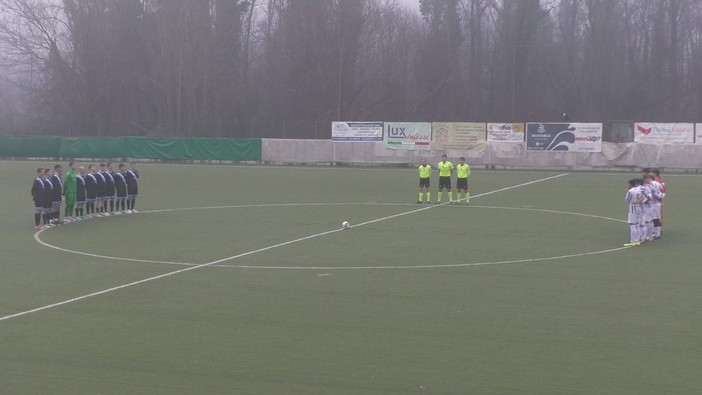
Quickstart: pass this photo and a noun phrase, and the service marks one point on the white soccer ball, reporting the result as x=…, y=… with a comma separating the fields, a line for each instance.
x=345, y=225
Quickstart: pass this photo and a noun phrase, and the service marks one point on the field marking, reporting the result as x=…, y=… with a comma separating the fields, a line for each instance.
x=187, y=269
x=36, y=235
x=346, y=267
x=393, y=267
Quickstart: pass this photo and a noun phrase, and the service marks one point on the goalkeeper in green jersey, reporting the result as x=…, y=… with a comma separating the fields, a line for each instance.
x=445, y=170
x=424, y=178
x=462, y=174
x=69, y=191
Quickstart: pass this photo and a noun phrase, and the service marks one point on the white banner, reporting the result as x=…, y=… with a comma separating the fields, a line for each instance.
x=572, y=137
x=357, y=131
x=505, y=132
x=464, y=136
x=698, y=133
x=664, y=133
x=415, y=136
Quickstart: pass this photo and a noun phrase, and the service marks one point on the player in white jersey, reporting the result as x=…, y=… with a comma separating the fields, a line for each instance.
x=635, y=198
x=646, y=232
x=657, y=194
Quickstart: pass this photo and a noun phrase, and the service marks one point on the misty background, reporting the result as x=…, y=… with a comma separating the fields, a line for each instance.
x=287, y=68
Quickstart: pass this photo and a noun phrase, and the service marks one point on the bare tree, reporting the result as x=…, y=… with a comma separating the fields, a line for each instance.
x=286, y=68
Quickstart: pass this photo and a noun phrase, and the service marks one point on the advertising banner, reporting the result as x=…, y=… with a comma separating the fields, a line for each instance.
x=414, y=136
x=664, y=133
x=505, y=132
x=357, y=131
x=698, y=133
x=465, y=136
x=572, y=137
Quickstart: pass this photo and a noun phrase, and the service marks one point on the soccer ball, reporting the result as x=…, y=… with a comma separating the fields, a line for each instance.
x=345, y=225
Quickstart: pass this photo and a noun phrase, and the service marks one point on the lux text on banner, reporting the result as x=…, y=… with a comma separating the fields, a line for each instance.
x=414, y=136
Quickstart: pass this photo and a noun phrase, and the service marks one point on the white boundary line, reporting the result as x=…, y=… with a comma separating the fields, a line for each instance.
x=526, y=260
x=168, y=274
x=36, y=237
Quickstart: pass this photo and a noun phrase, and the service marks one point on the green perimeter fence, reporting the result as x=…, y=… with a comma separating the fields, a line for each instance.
x=132, y=147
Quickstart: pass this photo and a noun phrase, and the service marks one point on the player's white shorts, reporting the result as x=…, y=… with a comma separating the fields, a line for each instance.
x=655, y=212
x=648, y=213
x=635, y=218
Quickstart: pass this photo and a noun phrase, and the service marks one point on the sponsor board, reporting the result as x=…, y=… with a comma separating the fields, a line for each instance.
x=505, y=132
x=414, y=136
x=571, y=137
x=664, y=133
x=357, y=131
x=464, y=136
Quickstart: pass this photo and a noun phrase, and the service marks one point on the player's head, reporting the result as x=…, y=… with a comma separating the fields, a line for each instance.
x=132, y=164
x=40, y=172
x=48, y=172
x=121, y=167
x=58, y=169
x=656, y=172
x=91, y=168
x=423, y=162
x=647, y=179
x=462, y=160
x=102, y=167
x=632, y=183
x=109, y=166
x=645, y=170
x=72, y=165
x=81, y=170
x=443, y=157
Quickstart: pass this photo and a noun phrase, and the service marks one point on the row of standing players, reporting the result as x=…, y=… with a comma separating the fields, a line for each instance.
x=645, y=212
x=445, y=170
x=95, y=192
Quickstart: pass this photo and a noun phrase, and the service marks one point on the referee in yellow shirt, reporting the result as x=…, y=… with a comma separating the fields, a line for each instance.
x=445, y=170
x=462, y=174
x=424, y=178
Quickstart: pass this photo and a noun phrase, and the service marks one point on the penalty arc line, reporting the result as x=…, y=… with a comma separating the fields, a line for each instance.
x=187, y=269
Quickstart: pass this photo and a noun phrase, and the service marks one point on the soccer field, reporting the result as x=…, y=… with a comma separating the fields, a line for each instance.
x=240, y=280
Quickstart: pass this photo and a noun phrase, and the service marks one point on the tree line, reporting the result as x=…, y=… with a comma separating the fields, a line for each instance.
x=287, y=68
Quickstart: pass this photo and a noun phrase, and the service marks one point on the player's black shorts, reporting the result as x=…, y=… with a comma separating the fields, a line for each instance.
x=424, y=182
x=80, y=195
x=445, y=182
x=461, y=183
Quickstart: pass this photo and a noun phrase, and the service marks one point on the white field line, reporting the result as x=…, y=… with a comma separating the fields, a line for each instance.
x=187, y=269
x=36, y=236
x=526, y=260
